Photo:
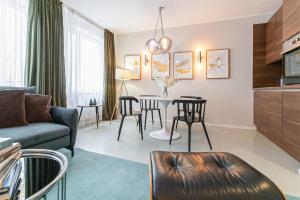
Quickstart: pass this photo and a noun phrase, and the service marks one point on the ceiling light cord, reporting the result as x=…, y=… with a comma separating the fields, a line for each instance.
x=156, y=25
x=161, y=21
x=159, y=18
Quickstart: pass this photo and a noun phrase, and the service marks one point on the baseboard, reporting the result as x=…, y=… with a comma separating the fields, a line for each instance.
x=232, y=126
x=209, y=124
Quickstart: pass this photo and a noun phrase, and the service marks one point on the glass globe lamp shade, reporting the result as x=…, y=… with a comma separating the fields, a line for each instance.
x=152, y=46
x=165, y=44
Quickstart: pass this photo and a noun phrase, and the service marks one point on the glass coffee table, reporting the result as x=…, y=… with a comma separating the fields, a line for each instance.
x=43, y=175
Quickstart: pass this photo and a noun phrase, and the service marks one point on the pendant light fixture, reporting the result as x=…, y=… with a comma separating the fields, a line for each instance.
x=164, y=44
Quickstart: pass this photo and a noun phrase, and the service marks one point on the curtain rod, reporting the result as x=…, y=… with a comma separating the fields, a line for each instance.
x=81, y=15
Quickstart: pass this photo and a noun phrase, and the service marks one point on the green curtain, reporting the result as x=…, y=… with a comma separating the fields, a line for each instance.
x=45, y=50
x=109, y=99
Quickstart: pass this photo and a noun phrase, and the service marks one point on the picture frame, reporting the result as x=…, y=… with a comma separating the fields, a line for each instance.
x=160, y=65
x=183, y=65
x=218, y=64
x=132, y=62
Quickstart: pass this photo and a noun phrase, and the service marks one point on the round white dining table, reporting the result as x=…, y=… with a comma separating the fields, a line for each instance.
x=164, y=133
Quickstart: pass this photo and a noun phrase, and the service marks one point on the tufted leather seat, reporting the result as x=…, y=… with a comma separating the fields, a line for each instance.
x=207, y=176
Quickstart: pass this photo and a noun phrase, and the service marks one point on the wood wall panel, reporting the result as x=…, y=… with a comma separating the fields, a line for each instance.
x=263, y=75
x=291, y=18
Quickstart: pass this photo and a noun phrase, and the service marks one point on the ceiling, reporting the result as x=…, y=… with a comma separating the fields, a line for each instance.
x=123, y=16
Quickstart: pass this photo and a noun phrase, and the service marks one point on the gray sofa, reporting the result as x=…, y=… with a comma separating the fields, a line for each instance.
x=61, y=133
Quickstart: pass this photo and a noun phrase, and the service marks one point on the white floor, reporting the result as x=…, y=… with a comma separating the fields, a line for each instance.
x=247, y=144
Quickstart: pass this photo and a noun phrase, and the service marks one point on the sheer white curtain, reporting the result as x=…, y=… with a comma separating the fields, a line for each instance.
x=13, y=23
x=84, y=52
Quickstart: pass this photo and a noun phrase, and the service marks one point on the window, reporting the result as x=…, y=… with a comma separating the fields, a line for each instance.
x=13, y=23
x=84, y=52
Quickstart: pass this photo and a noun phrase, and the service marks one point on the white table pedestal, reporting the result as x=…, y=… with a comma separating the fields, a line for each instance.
x=164, y=134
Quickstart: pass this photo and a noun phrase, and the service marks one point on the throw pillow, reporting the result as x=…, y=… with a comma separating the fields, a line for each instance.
x=12, y=108
x=37, y=108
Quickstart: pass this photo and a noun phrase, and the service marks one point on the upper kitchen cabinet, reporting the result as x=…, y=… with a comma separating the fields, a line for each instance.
x=274, y=38
x=291, y=18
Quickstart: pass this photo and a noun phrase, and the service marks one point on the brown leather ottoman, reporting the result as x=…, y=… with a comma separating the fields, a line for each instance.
x=207, y=176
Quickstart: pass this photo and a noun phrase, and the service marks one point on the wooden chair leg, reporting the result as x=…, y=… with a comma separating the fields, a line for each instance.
x=141, y=126
x=120, y=128
x=173, y=124
x=146, y=111
x=206, y=134
x=189, y=139
x=160, y=119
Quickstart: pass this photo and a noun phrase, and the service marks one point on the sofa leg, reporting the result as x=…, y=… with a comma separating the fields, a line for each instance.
x=72, y=151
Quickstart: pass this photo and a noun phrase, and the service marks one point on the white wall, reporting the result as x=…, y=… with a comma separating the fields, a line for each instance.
x=230, y=102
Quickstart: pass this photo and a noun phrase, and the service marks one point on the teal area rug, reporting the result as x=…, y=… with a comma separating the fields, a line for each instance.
x=93, y=176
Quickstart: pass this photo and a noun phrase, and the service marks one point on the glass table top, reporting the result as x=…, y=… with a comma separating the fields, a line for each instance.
x=41, y=172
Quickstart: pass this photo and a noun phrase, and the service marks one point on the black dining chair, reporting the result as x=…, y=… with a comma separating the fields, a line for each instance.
x=193, y=112
x=150, y=105
x=181, y=109
x=126, y=109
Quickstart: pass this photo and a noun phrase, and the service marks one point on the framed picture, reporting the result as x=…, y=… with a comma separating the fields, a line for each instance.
x=160, y=65
x=133, y=63
x=217, y=64
x=183, y=65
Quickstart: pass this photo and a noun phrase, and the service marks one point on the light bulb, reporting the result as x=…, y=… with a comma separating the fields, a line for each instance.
x=165, y=44
x=152, y=46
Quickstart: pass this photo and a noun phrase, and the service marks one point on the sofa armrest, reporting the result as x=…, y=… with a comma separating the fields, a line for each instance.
x=67, y=117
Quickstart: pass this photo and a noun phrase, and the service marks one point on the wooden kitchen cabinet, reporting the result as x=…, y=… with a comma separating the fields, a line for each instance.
x=277, y=116
x=268, y=114
x=274, y=38
x=291, y=18
x=291, y=122
x=264, y=75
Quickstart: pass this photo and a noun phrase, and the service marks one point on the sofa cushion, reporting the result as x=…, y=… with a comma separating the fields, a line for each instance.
x=35, y=133
x=37, y=108
x=31, y=90
x=12, y=108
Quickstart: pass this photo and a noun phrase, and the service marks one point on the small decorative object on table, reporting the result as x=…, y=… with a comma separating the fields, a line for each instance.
x=91, y=102
x=164, y=83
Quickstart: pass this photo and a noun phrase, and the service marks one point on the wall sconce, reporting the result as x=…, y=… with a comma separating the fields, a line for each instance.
x=199, y=57
x=146, y=60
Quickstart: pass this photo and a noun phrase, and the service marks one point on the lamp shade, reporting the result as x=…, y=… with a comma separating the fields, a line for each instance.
x=152, y=46
x=123, y=74
x=165, y=44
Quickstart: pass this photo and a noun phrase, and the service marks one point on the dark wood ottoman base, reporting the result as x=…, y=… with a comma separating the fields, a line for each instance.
x=207, y=176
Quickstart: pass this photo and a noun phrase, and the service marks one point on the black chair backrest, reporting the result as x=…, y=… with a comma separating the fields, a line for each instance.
x=190, y=108
x=148, y=103
x=126, y=104
x=190, y=97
